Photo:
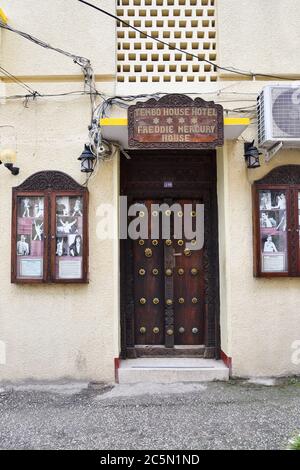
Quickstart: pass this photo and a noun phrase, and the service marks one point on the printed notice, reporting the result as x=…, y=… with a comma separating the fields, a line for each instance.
x=31, y=267
x=274, y=262
x=70, y=269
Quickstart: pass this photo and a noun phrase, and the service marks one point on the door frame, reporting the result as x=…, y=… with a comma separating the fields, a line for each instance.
x=201, y=172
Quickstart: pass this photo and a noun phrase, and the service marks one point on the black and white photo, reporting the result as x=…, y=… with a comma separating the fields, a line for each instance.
x=63, y=206
x=274, y=243
x=269, y=245
x=27, y=206
x=62, y=246
x=267, y=221
x=265, y=202
x=280, y=202
x=67, y=225
x=75, y=245
x=38, y=208
x=23, y=245
x=37, y=230
x=76, y=206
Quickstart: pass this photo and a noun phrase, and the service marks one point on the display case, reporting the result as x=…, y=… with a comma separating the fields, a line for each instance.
x=50, y=230
x=276, y=221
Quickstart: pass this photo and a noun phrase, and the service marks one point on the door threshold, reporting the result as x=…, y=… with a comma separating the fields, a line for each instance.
x=176, y=351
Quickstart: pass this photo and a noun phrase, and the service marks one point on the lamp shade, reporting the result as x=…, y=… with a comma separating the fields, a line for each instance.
x=87, y=160
x=8, y=155
x=251, y=155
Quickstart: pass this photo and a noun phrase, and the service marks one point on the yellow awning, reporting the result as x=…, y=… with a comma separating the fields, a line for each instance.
x=116, y=129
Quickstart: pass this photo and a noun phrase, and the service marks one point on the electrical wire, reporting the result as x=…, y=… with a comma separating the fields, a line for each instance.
x=107, y=101
x=77, y=59
x=95, y=138
x=174, y=48
x=97, y=145
x=52, y=95
x=18, y=81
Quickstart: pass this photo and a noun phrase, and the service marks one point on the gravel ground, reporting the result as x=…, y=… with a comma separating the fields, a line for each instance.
x=232, y=415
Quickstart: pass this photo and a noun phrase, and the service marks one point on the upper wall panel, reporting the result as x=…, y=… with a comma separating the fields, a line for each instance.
x=66, y=24
x=259, y=35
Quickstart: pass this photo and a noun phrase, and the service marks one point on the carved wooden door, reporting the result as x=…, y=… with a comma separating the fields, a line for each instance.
x=168, y=282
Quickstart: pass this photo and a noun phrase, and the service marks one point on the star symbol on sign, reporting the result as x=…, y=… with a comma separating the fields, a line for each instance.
x=156, y=121
x=169, y=120
x=194, y=120
x=181, y=120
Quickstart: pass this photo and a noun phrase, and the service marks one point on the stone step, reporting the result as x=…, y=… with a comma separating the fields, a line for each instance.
x=171, y=370
x=176, y=351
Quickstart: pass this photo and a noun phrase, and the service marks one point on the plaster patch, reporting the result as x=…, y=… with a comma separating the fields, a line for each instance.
x=129, y=390
x=267, y=382
x=2, y=353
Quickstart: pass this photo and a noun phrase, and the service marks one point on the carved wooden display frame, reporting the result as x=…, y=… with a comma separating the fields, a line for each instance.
x=49, y=184
x=284, y=178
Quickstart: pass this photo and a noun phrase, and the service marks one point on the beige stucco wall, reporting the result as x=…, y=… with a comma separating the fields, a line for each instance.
x=261, y=315
x=59, y=331
x=53, y=331
x=259, y=36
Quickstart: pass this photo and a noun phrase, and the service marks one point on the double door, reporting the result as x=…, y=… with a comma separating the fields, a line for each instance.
x=169, y=296
x=168, y=277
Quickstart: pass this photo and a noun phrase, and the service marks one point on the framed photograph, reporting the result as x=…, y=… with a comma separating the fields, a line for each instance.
x=62, y=246
x=63, y=206
x=66, y=225
x=23, y=245
x=26, y=207
x=38, y=208
x=268, y=220
x=265, y=200
x=37, y=230
x=279, y=200
x=76, y=206
x=75, y=245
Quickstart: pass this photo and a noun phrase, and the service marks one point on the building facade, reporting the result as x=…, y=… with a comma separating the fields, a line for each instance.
x=247, y=304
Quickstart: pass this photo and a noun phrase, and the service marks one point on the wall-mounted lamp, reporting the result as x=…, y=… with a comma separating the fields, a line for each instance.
x=251, y=155
x=87, y=160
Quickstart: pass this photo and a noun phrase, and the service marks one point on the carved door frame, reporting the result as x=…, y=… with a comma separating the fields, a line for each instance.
x=191, y=188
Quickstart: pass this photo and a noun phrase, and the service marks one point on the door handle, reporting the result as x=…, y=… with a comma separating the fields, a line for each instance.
x=177, y=254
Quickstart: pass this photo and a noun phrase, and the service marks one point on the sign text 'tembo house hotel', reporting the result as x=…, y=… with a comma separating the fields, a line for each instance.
x=195, y=124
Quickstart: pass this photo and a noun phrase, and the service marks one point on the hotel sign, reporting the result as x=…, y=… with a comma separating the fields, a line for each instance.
x=175, y=121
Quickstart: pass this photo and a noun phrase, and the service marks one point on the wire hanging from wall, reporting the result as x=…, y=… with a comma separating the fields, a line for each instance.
x=24, y=85
x=95, y=138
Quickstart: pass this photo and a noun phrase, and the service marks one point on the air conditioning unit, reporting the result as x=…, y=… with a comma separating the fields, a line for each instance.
x=278, y=110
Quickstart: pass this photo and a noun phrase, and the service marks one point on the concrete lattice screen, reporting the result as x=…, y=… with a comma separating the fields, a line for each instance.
x=186, y=24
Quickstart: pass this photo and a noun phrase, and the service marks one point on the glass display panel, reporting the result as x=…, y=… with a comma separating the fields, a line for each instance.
x=273, y=231
x=30, y=237
x=69, y=237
